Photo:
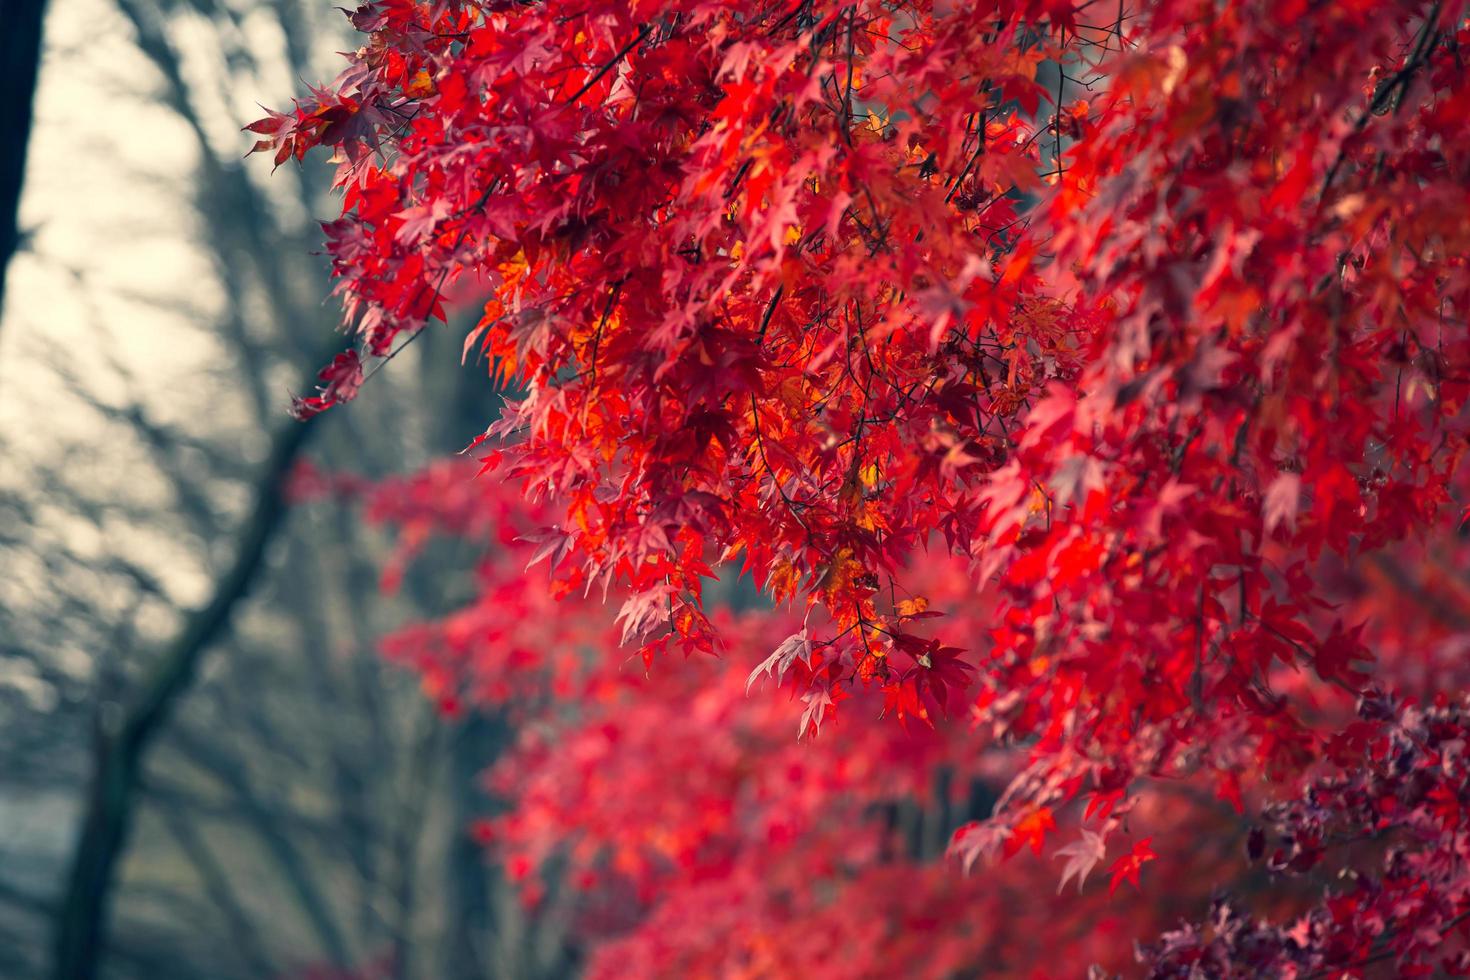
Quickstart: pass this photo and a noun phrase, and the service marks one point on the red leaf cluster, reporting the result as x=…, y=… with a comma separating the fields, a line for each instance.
x=1157, y=398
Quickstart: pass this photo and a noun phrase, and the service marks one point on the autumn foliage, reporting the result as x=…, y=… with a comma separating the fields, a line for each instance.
x=1082, y=386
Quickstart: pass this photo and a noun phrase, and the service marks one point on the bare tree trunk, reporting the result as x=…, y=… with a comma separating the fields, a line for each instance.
x=407, y=842
x=20, y=62
x=122, y=742
x=480, y=739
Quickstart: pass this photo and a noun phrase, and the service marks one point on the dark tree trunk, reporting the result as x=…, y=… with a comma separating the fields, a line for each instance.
x=479, y=741
x=20, y=62
x=123, y=738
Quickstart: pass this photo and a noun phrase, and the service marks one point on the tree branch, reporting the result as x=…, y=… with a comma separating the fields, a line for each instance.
x=20, y=63
x=121, y=743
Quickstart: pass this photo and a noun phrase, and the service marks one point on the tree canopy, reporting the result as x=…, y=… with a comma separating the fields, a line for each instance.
x=1083, y=384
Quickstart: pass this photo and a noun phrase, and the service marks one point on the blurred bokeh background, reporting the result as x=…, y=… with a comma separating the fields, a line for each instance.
x=302, y=806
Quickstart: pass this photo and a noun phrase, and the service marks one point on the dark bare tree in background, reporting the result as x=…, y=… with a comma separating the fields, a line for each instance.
x=20, y=63
x=211, y=771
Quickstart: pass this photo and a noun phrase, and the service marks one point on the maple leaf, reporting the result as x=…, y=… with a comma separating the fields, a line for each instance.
x=912, y=608
x=819, y=705
x=1126, y=868
x=646, y=611
x=977, y=841
x=421, y=220
x=551, y=543
x=901, y=699
x=1030, y=831
x=944, y=671
x=1283, y=497
x=1337, y=655
x=797, y=646
x=1082, y=856
x=1052, y=413
x=1078, y=476
x=339, y=382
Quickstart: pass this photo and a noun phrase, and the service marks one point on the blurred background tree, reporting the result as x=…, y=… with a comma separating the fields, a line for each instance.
x=299, y=803
x=20, y=56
